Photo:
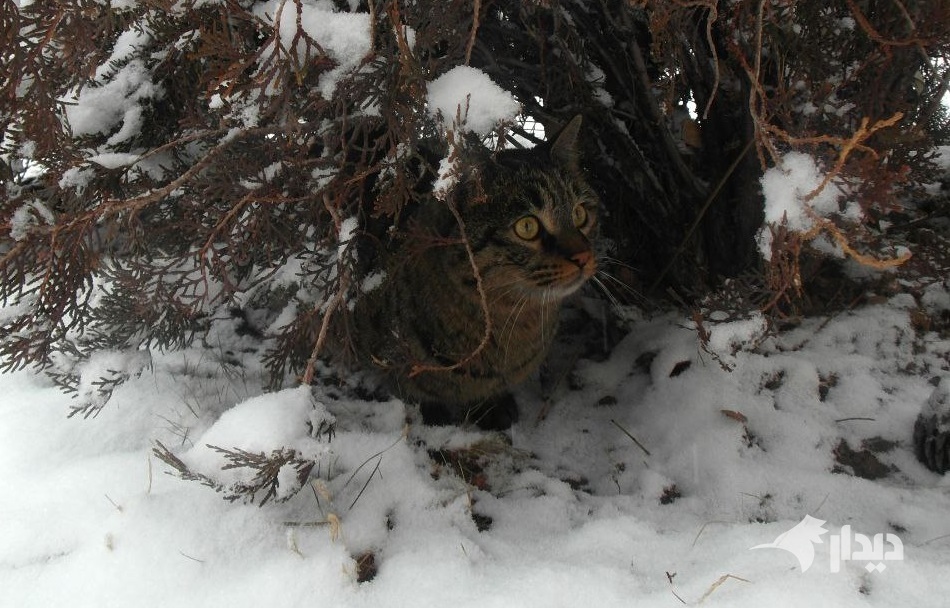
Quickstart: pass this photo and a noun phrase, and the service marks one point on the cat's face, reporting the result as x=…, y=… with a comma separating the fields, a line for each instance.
x=532, y=234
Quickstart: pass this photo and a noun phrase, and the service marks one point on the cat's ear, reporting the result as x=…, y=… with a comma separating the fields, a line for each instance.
x=564, y=146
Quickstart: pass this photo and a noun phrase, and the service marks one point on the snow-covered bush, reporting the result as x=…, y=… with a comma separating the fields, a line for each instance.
x=197, y=161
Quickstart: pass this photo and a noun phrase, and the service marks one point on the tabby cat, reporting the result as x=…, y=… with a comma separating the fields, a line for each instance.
x=528, y=218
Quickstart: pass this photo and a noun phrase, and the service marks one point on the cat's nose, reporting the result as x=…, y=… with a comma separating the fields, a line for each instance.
x=583, y=259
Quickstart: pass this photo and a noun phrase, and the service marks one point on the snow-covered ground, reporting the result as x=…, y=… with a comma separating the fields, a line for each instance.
x=738, y=443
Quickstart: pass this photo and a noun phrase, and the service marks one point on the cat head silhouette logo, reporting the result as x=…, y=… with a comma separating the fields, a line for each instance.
x=800, y=541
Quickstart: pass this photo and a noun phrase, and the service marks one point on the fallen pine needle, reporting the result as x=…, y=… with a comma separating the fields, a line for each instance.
x=718, y=583
x=632, y=438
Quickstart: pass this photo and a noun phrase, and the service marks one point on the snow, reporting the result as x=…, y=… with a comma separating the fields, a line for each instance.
x=469, y=93
x=344, y=36
x=372, y=281
x=27, y=216
x=100, y=107
x=107, y=365
x=123, y=50
x=265, y=423
x=114, y=160
x=465, y=99
x=91, y=519
x=447, y=175
x=792, y=196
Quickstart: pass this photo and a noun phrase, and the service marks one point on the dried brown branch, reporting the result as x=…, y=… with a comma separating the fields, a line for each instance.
x=711, y=18
x=847, y=146
x=476, y=9
x=870, y=30
x=337, y=300
x=757, y=95
x=826, y=225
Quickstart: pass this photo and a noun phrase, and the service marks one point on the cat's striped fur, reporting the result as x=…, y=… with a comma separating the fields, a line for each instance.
x=528, y=217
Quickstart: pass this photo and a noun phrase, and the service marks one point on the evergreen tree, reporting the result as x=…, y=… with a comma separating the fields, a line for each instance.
x=165, y=162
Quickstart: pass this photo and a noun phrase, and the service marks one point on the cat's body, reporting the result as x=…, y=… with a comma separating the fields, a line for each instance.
x=448, y=336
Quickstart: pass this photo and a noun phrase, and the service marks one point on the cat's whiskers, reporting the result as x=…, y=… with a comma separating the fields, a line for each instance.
x=557, y=279
x=536, y=282
x=546, y=295
x=601, y=279
x=513, y=317
x=595, y=280
x=615, y=262
x=620, y=284
x=515, y=286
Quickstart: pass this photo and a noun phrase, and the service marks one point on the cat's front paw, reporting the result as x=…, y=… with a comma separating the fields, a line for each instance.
x=495, y=414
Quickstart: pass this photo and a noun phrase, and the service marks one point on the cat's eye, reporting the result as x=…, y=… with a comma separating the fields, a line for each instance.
x=527, y=228
x=580, y=216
